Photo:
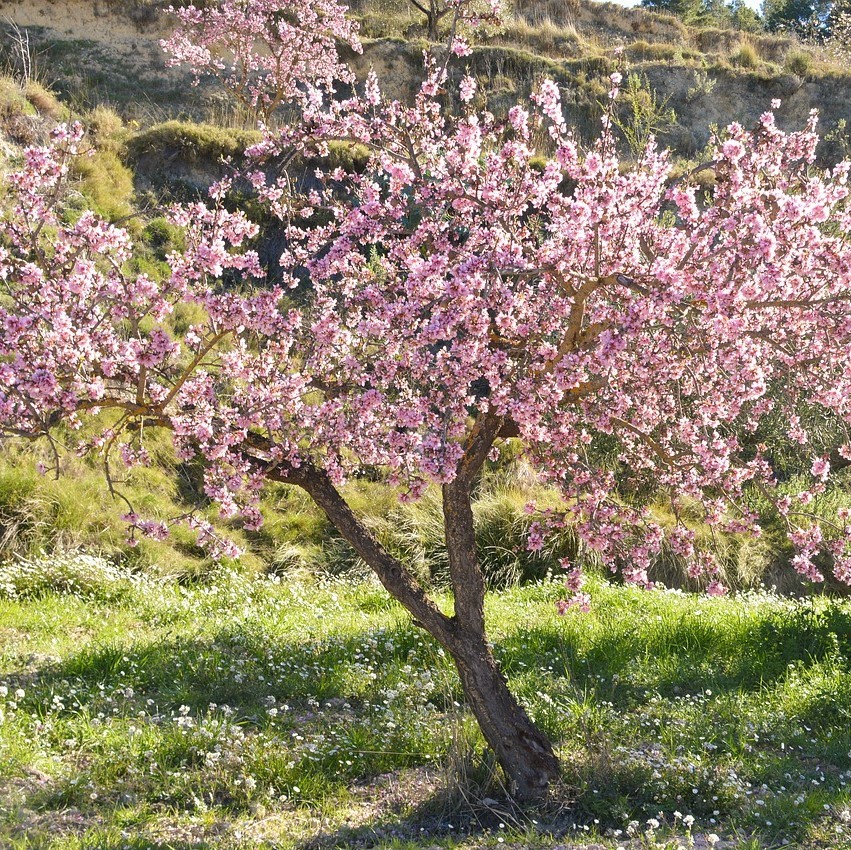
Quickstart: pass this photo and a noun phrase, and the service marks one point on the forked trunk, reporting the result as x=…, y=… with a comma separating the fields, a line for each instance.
x=433, y=33
x=433, y=19
x=523, y=752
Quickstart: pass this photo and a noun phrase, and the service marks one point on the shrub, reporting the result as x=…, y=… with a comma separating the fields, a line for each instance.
x=798, y=62
x=415, y=532
x=703, y=85
x=545, y=37
x=721, y=41
x=774, y=48
x=42, y=99
x=653, y=52
x=19, y=120
x=70, y=573
x=106, y=183
x=193, y=142
x=348, y=156
x=105, y=126
x=746, y=57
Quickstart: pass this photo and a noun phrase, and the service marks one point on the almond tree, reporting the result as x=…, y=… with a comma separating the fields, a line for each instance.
x=460, y=294
x=264, y=52
x=435, y=11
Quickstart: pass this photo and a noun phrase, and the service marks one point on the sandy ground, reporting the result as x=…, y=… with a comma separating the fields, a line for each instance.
x=83, y=19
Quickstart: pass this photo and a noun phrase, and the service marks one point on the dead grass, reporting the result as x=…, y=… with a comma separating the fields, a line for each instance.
x=43, y=100
x=27, y=111
x=645, y=51
x=548, y=38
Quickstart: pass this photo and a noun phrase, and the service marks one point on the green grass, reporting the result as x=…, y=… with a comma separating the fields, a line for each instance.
x=257, y=712
x=39, y=513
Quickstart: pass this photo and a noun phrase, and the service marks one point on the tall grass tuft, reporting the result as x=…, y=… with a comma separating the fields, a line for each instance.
x=74, y=573
x=746, y=56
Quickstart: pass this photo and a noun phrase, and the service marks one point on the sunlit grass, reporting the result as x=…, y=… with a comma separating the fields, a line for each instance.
x=244, y=710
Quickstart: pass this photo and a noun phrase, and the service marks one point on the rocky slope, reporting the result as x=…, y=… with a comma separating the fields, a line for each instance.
x=108, y=52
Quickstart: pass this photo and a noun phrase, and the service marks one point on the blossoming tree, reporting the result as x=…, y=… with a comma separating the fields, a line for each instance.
x=459, y=294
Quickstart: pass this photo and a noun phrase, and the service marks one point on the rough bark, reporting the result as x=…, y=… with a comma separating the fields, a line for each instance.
x=523, y=752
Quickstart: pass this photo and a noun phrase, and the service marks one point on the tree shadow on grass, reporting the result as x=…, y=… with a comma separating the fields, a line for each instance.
x=241, y=668
x=467, y=800
x=339, y=686
x=689, y=654
x=624, y=660
x=625, y=663
x=176, y=721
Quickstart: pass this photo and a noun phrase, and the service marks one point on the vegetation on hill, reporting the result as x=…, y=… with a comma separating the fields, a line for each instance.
x=708, y=71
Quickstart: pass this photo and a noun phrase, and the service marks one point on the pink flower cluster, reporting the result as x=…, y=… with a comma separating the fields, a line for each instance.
x=267, y=52
x=454, y=281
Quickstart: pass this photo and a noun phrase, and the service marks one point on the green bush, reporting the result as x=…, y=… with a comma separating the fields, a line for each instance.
x=76, y=574
x=193, y=142
x=40, y=514
x=746, y=57
x=106, y=184
x=106, y=128
x=414, y=533
x=798, y=62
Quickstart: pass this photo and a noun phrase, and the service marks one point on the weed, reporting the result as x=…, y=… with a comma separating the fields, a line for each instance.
x=75, y=573
x=799, y=62
x=642, y=114
x=288, y=710
x=703, y=86
x=746, y=56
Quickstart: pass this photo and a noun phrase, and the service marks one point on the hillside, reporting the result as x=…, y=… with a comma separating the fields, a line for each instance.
x=108, y=53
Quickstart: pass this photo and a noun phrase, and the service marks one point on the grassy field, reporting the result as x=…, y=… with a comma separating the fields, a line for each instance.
x=307, y=713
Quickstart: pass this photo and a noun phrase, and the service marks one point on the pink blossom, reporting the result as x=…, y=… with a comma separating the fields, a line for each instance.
x=467, y=89
x=460, y=47
x=715, y=588
x=469, y=277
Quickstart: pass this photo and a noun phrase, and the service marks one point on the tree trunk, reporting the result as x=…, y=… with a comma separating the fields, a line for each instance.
x=433, y=18
x=523, y=752
x=432, y=27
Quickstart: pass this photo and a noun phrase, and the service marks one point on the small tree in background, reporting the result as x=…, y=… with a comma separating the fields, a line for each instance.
x=839, y=41
x=807, y=18
x=461, y=14
x=691, y=11
x=459, y=295
x=743, y=17
x=435, y=11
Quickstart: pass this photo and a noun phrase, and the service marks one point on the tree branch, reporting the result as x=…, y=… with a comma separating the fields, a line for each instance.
x=398, y=581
